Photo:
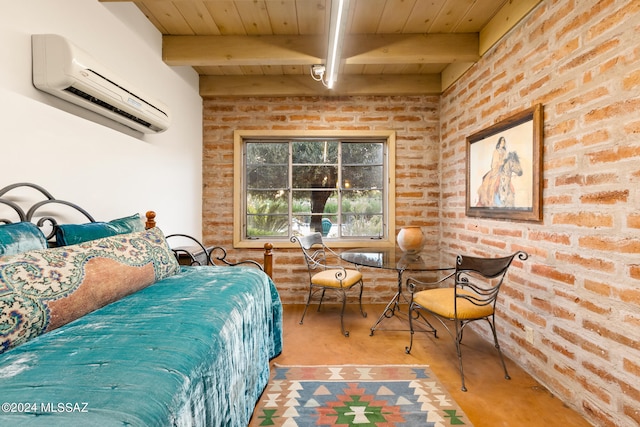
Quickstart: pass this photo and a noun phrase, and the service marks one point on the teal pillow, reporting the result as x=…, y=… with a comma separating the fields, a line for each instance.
x=128, y=224
x=72, y=234
x=20, y=237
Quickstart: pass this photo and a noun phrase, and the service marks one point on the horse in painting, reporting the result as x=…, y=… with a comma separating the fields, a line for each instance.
x=496, y=190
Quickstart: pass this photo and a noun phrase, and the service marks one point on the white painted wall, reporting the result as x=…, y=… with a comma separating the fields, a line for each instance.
x=80, y=156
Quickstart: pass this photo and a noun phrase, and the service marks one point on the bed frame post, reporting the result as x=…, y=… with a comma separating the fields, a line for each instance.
x=151, y=220
x=268, y=259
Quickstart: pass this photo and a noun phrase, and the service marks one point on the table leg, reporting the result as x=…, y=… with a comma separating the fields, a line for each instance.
x=393, y=306
x=393, y=309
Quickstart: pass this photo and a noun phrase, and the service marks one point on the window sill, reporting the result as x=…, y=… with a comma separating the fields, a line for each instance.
x=342, y=243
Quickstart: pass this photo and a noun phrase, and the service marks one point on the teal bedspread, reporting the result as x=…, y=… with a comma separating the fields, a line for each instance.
x=192, y=349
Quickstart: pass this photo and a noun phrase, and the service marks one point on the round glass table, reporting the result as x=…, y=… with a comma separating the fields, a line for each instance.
x=395, y=259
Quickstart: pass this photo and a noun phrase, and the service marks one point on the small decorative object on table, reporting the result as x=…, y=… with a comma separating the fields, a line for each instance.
x=411, y=239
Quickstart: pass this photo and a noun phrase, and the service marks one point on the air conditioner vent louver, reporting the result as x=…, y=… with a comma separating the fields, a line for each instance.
x=106, y=105
x=67, y=72
x=137, y=98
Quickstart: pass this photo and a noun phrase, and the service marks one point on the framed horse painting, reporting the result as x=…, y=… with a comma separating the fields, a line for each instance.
x=504, y=168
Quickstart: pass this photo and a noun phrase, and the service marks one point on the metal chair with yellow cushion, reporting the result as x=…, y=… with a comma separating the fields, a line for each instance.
x=477, y=282
x=323, y=276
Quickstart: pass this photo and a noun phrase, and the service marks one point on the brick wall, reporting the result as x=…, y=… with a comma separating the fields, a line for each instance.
x=416, y=123
x=579, y=291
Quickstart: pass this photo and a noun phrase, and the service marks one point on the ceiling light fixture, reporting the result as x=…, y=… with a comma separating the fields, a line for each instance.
x=337, y=26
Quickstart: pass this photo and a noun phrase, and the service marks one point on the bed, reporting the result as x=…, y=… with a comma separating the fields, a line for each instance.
x=141, y=341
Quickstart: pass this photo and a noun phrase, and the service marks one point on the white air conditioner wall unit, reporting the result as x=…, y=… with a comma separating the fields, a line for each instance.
x=64, y=70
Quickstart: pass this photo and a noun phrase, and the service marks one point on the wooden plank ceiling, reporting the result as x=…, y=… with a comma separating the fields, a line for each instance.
x=267, y=47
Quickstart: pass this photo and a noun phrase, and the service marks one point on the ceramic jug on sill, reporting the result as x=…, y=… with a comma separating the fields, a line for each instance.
x=411, y=239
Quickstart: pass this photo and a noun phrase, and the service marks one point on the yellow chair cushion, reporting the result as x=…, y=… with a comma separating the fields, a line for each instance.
x=441, y=302
x=328, y=278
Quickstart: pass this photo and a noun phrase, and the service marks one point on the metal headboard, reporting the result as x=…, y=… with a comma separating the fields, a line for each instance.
x=35, y=211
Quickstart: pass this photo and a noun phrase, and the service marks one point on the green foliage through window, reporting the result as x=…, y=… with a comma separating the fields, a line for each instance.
x=297, y=186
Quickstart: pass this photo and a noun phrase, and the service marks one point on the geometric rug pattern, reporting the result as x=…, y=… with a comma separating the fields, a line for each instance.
x=362, y=396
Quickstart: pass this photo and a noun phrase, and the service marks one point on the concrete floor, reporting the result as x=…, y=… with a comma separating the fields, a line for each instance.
x=491, y=400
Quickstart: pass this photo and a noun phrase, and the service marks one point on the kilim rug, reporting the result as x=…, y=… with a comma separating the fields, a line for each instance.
x=386, y=395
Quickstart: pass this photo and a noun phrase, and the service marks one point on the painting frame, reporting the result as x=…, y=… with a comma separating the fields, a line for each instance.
x=494, y=189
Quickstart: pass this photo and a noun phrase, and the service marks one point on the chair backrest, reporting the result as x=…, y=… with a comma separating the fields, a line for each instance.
x=482, y=276
x=313, y=249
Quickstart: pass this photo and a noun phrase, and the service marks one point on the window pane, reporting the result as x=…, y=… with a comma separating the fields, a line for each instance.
x=314, y=204
x=267, y=213
x=330, y=226
x=261, y=176
x=267, y=153
x=267, y=225
x=301, y=202
x=267, y=165
x=369, y=202
x=267, y=202
x=300, y=225
x=314, y=152
x=354, y=225
x=325, y=224
x=315, y=201
x=362, y=213
x=363, y=177
x=369, y=153
x=315, y=176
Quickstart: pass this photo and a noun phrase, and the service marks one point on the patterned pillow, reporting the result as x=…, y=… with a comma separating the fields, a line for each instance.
x=44, y=289
x=20, y=237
